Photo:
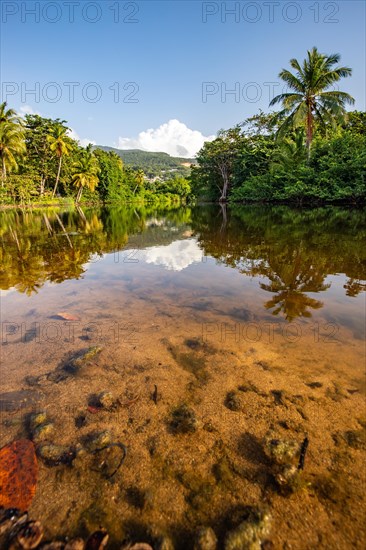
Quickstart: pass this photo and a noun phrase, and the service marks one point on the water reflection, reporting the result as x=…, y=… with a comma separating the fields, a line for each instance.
x=290, y=252
x=175, y=256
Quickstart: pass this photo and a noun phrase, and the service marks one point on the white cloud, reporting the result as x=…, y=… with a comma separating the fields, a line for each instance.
x=83, y=142
x=27, y=110
x=173, y=137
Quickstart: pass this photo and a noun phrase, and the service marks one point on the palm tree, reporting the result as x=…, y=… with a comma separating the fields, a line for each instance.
x=86, y=174
x=139, y=180
x=291, y=151
x=311, y=100
x=7, y=115
x=11, y=144
x=60, y=145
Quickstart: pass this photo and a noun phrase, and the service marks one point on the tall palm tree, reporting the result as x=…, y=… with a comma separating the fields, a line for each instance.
x=7, y=115
x=86, y=172
x=311, y=100
x=11, y=144
x=61, y=146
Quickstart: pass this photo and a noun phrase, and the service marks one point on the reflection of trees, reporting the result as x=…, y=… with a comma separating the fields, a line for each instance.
x=290, y=280
x=39, y=246
x=354, y=287
x=294, y=250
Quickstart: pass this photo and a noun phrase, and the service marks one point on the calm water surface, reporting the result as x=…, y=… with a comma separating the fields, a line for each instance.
x=189, y=306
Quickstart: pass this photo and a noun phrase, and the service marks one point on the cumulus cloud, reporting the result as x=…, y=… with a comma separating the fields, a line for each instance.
x=27, y=110
x=173, y=137
x=83, y=142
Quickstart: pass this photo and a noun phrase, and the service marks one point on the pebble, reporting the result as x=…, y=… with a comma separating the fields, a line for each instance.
x=43, y=432
x=106, y=400
x=233, y=401
x=205, y=539
x=98, y=441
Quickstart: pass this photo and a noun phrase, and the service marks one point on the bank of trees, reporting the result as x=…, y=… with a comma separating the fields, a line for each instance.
x=311, y=150
x=41, y=163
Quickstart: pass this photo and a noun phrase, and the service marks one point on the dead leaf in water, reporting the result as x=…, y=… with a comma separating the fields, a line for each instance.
x=67, y=316
x=18, y=474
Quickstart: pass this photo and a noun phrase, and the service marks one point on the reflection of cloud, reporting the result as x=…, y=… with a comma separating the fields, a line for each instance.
x=175, y=256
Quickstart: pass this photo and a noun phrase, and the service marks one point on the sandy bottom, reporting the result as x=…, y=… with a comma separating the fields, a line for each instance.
x=192, y=351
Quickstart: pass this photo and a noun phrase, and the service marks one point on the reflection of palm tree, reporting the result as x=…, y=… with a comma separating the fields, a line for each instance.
x=290, y=282
x=354, y=287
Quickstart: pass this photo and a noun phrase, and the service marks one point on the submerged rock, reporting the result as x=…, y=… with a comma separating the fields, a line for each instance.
x=164, y=543
x=29, y=535
x=75, y=544
x=98, y=540
x=43, y=432
x=281, y=451
x=205, y=539
x=84, y=358
x=183, y=420
x=233, y=401
x=99, y=440
x=138, y=546
x=37, y=419
x=106, y=400
x=250, y=532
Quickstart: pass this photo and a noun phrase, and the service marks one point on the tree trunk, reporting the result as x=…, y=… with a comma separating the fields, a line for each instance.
x=225, y=179
x=43, y=181
x=309, y=131
x=3, y=173
x=78, y=196
x=58, y=176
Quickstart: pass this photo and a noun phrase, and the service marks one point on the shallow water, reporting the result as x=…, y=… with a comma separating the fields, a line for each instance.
x=188, y=305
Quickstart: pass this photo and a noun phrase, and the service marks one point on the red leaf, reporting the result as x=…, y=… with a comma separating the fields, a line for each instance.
x=67, y=316
x=18, y=474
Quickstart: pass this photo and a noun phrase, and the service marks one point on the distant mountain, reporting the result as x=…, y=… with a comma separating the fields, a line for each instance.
x=153, y=164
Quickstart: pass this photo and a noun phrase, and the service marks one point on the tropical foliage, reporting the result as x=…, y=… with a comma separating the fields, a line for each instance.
x=40, y=162
x=311, y=98
x=310, y=151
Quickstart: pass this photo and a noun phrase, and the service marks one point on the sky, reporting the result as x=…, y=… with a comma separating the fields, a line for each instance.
x=166, y=75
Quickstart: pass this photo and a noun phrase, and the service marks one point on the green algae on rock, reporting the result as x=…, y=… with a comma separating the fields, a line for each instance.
x=249, y=534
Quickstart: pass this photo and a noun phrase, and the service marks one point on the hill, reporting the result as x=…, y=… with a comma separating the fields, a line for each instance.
x=159, y=165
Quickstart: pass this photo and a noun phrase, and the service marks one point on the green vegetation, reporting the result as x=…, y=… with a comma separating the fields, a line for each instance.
x=41, y=164
x=154, y=165
x=311, y=151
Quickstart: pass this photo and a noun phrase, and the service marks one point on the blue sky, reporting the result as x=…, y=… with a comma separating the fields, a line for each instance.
x=158, y=55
